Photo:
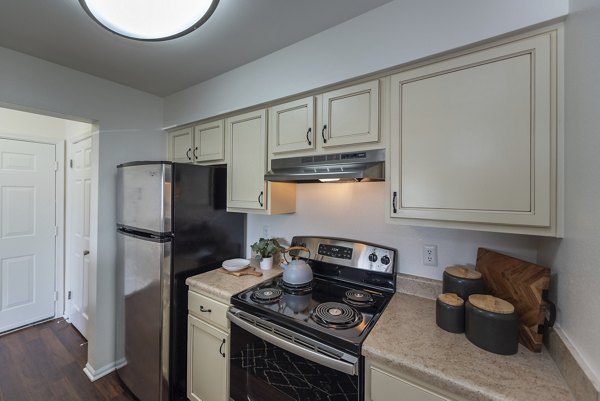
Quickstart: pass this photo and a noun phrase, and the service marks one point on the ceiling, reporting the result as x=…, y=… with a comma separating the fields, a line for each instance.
x=239, y=31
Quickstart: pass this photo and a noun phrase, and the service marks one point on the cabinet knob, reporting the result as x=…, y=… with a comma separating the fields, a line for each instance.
x=323, y=133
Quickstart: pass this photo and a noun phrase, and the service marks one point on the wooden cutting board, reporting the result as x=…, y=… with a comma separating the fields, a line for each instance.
x=249, y=271
x=523, y=284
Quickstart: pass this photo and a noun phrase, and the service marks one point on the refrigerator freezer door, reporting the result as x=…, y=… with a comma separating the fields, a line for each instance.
x=144, y=197
x=143, y=298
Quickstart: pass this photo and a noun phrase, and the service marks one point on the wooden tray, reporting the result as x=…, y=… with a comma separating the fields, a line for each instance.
x=523, y=284
x=248, y=271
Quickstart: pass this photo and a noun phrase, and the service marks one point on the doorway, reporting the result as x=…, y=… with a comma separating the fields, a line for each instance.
x=35, y=278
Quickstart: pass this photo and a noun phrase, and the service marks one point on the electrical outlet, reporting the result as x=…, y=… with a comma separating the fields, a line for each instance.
x=430, y=255
x=265, y=232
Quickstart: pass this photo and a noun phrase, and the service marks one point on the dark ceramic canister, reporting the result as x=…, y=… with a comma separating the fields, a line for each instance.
x=492, y=324
x=450, y=313
x=462, y=281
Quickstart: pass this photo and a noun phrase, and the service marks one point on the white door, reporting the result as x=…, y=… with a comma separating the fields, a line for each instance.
x=27, y=232
x=80, y=187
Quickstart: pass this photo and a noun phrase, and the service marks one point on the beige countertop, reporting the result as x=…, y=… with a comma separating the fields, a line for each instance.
x=407, y=339
x=222, y=286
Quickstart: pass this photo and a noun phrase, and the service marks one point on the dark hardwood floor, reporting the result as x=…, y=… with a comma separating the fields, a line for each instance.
x=45, y=362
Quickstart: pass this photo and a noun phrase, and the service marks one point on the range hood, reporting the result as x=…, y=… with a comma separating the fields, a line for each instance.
x=366, y=165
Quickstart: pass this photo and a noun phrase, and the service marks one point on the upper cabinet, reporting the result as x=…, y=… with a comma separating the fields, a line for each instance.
x=247, y=191
x=180, y=145
x=351, y=115
x=292, y=126
x=474, y=140
x=209, y=142
x=202, y=144
x=343, y=119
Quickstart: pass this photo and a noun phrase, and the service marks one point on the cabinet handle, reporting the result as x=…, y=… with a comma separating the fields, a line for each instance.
x=307, y=138
x=195, y=155
x=204, y=310
x=260, y=198
x=323, y=133
x=394, y=200
x=85, y=253
x=221, y=349
x=188, y=153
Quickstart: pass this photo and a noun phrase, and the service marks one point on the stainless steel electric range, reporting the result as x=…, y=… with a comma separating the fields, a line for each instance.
x=303, y=343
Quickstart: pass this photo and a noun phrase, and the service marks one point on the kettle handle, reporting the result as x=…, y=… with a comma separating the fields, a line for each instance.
x=295, y=248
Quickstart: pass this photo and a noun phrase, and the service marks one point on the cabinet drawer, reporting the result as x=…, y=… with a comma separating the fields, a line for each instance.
x=209, y=310
x=385, y=387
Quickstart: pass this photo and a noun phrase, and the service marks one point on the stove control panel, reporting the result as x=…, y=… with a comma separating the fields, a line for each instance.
x=349, y=253
x=334, y=251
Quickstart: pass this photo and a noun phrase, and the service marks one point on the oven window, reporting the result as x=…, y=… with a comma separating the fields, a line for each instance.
x=261, y=371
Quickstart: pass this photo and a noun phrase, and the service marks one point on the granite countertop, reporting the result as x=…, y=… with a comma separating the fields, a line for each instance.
x=222, y=286
x=407, y=339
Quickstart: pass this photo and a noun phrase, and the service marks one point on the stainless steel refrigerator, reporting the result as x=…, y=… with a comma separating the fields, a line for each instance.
x=171, y=224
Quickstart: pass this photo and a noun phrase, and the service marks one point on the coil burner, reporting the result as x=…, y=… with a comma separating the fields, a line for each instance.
x=266, y=295
x=336, y=315
x=358, y=298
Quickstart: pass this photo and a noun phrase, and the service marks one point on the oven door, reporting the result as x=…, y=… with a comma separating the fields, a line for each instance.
x=271, y=363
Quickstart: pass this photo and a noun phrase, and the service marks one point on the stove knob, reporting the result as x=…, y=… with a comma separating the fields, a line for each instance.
x=385, y=260
x=373, y=257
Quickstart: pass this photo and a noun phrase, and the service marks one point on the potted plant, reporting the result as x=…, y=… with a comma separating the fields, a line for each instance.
x=265, y=248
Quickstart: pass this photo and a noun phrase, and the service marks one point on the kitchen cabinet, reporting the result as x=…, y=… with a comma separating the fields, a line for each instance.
x=247, y=191
x=209, y=142
x=330, y=122
x=202, y=144
x=474, y=140
x=384, y=384
x=350, y=115
x=180, y=145
x=208, y=349
x=292, y=126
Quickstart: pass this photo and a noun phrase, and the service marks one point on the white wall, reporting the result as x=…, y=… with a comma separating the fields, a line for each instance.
x=357, y=211
x=25, y=125
x=575, y=260
x=130, y=124
x=393, y=34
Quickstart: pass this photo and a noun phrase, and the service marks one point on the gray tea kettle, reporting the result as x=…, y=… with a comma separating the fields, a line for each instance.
x=296, y=272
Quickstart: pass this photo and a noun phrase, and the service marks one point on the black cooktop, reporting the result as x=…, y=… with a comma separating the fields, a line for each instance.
x=340, y=314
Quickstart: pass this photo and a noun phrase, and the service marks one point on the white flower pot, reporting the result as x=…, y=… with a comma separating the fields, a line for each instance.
x=266, y=263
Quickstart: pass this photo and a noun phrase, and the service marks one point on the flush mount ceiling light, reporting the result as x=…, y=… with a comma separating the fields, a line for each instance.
x=150, y=20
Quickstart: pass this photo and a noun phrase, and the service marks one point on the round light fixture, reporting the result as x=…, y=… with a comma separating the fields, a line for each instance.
x=150, y=20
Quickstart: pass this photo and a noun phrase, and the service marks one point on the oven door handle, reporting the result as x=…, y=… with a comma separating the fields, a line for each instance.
x=284, y=343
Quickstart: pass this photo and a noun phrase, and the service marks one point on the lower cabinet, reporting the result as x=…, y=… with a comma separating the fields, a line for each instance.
x=208, y=354
x=383, y=384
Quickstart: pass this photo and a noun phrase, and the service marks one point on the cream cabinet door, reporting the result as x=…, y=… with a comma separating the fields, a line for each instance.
x=472, y=138
x=387, y=387
x=246, y=187
x=208, y=353
x=292, y=126
x=209, y=142
x=180, y=144
x=350, y=115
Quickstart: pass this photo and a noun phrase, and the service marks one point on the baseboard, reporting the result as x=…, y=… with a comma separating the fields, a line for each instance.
x=95, y=374
x=579, y=378
x=120, y=363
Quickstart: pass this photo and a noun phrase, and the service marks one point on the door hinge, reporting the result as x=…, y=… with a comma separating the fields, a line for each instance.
x=55, y=166
x=56, y=231
x=71, y=163
x=55, y=296
x=69, y=295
